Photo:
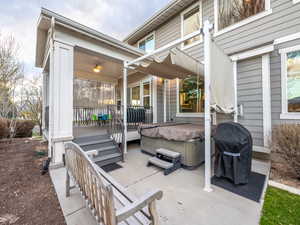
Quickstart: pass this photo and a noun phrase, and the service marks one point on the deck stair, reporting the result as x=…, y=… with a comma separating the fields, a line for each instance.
x=100, y=148
x=166, y=159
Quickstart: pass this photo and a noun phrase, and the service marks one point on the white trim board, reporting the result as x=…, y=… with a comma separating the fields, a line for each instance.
x=287, y=38
x=252, y=53
x=266, y=90
x=284, y=105
x=248, y=20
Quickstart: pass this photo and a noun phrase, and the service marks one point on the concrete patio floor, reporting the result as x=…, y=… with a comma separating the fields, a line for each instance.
x=184, y=201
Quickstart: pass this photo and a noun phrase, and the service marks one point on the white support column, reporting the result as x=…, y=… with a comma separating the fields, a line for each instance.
x=267, y=125
x=61, y=99
x=235, y=91
x=207, y=122
x=154, y=106
x=165, y=100
x=125, y=71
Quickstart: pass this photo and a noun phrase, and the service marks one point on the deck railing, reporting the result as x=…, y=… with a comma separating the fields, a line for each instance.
x=136, y=115
x=90, y=116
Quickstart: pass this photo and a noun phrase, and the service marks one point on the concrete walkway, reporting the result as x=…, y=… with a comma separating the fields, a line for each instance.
x=184, y=201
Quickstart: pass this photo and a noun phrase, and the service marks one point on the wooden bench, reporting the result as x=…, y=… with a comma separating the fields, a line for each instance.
x=108, y=200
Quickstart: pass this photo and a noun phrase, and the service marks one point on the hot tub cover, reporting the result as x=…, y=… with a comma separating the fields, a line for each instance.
x=173, y=131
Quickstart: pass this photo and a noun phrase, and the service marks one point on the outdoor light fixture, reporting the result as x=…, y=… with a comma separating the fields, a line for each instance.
x=97, y=68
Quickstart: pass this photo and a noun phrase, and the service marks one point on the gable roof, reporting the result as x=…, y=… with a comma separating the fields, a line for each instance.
x=44, y=24
x=160, y=17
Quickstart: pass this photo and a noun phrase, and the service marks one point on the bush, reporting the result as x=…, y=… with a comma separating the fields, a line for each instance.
x=286, y=144
x=4, y=130
x=24, y=128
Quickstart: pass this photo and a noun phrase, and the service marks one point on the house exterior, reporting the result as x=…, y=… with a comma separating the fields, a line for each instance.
x=263, y=43
x=259, y=46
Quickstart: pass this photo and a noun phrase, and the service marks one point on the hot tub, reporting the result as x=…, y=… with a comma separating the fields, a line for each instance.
x=185, y=138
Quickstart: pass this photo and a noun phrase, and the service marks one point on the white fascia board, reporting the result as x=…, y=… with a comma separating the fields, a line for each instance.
x=287, y=38
x=252, y=53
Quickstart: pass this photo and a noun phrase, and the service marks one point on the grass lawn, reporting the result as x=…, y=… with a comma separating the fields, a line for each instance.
x=280, y=208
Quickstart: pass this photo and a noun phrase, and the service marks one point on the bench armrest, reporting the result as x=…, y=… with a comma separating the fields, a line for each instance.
x=138, y=205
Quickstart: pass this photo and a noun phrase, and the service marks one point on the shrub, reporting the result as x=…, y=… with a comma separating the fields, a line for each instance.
x=286, y=143
x=24, y=128
x=4, y=130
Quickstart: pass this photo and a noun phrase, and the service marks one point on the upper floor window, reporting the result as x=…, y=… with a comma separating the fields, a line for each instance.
x=191, y=95
x=147, y=44
x=290, y=82
x=233, y=11
x=230, y=14
x=191, y=21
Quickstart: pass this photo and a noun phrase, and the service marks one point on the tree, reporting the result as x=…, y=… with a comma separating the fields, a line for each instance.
x=11, y=70
x=33, y=103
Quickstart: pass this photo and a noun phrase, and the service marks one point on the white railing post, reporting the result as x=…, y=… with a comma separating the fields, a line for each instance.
x=235, y=91
x=207, y=75
x=125, y=71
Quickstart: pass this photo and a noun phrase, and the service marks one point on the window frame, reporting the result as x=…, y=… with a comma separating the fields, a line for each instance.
x=285, y=114
x=184, y=114
x=241, y=23
x=140, y=84
x=199, y=3
x=144, y=38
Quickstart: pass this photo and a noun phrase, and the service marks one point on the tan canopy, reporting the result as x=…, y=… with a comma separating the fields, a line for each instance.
x=178, y=64
x=174, y=64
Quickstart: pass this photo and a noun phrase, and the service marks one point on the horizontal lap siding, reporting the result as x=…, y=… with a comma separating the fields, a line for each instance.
x=275, y=79
x=284, y=20
x=249, y=92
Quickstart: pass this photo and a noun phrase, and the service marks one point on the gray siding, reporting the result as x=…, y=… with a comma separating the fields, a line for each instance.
x=275, y=79
x=249, y=92
x=284, y=20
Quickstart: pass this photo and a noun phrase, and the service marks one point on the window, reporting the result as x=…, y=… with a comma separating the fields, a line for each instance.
x=140, y=94
x=290, y=83
x=147, y=44
x=230, y=14
x=191, y=95
x=191, y=21
x=146, y=94
x=135, y=96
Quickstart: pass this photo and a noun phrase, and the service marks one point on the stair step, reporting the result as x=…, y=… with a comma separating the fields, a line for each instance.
x=94, y=142
x=91, y=138
x=98, y=151
x=107, y=159
x=160, y=163
x=168, y=153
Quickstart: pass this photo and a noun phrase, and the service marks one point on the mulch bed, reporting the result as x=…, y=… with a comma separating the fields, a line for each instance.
x=26, y=196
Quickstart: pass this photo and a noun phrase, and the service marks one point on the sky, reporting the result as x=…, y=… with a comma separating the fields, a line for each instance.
x=116, y=18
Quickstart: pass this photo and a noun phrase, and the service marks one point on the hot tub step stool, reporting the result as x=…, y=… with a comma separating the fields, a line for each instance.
x=166, y=159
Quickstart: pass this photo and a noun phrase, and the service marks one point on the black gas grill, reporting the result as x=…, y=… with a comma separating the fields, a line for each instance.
x=233, y=152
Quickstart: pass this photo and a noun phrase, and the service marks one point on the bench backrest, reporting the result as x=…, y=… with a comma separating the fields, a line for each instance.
x=94, y=189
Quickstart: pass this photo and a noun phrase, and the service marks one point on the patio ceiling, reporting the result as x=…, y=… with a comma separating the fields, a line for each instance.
x=85, y=61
